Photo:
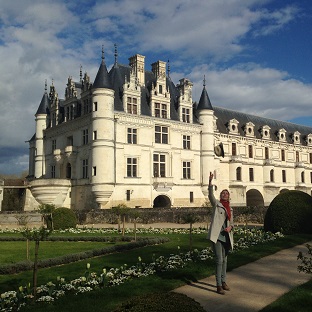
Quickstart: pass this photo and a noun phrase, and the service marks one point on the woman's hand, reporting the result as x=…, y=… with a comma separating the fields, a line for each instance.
x=228, y=229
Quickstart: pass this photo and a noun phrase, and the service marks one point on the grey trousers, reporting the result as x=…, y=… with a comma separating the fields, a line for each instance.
x=220, y=252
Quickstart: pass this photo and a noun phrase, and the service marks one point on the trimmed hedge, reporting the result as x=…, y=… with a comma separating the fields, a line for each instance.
x=113, y=239
x=290, y=213
x=28, y=265
x=172, y=215
x=64, y=218
x=161, y=302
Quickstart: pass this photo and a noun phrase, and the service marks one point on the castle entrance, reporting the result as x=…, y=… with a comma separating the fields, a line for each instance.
x=254, y=198
x=162, y=201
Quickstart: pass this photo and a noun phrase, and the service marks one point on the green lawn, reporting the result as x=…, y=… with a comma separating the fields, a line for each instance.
x=108, y=298
x=12, y=252
x=74, y=270
x=298, y=300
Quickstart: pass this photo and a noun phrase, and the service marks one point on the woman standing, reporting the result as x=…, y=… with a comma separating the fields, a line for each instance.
x=221, y=234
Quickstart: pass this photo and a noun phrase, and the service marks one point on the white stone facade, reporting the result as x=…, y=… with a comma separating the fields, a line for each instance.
x=133, y=137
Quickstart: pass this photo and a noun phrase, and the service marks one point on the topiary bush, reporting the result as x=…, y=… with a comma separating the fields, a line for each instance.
x=290, y=212
x=161, y=302
x=63, y=218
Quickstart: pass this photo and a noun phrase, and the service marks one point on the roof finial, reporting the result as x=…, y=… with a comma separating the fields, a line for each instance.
x=168, y=69
x=52, y=81
x=204, y=81
x=80, y=72
x=45, y=86
x=116, y=53
x=103, y=57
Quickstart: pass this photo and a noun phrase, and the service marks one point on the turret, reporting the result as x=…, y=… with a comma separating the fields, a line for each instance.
x=103, y=132
x=206, y=119
x=41, y=125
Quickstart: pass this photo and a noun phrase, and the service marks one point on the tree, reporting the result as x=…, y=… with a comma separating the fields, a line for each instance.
x=190, y=218
x=13, y=199
x=134, y=214
x=36, y=235
x=46, y=211
x=208, y=206
x=122, y=210
x=116, y=211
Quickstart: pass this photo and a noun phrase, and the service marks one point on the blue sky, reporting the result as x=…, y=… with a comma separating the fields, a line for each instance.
x=255, y=54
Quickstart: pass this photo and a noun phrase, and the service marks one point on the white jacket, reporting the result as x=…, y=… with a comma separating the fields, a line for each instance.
x=218, y=219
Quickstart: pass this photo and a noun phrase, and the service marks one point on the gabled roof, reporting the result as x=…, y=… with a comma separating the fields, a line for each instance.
x=225, y=115
x=117, y=76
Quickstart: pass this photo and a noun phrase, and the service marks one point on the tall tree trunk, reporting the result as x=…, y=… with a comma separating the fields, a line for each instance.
x=27, y=249
x=135, y=228
x=118, y=220
x=35, y=272
x=123, y=224
x=191, y=237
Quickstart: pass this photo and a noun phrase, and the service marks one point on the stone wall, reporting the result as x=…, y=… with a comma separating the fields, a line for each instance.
x=20, y=219
x=146, y=216
x=172, y=215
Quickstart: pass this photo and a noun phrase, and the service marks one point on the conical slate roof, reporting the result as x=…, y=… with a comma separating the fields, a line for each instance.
x=204, y=102
x=43, y=107
x=102, y=79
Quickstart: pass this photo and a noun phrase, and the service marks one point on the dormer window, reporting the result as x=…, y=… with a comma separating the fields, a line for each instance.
x=249, y=129
x=309, y=139
x=186, y=115
x=296, y=137
x=281, y=135
x=265, y=132
x=161, y=110
x=132, y=105
x=233, y=126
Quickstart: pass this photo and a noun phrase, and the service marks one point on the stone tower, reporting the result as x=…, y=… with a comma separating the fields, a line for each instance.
x=103, y=132
x=206, y=119
x=41, y=124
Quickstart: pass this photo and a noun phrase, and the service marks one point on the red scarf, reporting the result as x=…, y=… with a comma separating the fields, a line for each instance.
x=226, y=205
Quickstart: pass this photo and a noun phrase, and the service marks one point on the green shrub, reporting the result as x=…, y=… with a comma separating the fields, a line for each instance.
x=290, y=212
x=63, y=218
x=161, y=302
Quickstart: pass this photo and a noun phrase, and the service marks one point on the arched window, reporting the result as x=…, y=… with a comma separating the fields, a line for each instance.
x=272, y=175
x=239, y=173
x=302, y=176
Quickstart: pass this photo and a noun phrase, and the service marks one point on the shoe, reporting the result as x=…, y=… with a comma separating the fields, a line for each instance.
x=225, y=286
x=220, y=290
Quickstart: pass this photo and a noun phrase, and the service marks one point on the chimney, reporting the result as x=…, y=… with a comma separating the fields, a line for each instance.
x=159, y=70
x=137, y=65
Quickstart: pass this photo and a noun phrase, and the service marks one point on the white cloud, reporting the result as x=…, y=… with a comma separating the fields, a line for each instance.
x=42, y=39
x=277, y=20
x=255, y=90
x=194, y=28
